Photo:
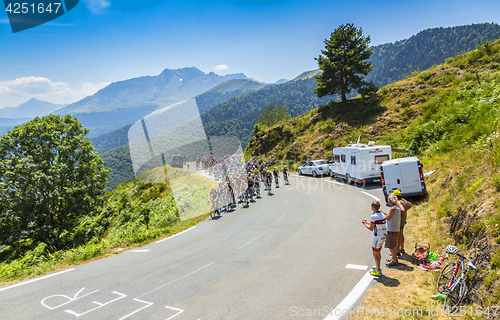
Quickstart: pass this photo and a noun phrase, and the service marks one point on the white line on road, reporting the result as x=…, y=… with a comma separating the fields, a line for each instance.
x=335, y=182
x=175, y=235
x=140, y=250
x=184, y=276
x=343, y=307
x=287, y=204
x=37, y=279
x=356, y=267
x=253, y=240
x=370, y=195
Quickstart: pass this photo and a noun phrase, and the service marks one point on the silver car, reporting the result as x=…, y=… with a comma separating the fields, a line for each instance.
x=314, y=168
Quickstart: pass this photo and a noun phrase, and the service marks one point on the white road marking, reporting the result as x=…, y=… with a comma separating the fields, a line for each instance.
x=37, y=279
x=148, y=304
x=99, y=305
x=335, y=182
x=184, y=276
x=343, y=307
x=75, y=297
x=140, y=250
x=175, y=235
x=370, y=195
x=287, y=204
x=253, y=240
x=175, y=309
x=356, y=267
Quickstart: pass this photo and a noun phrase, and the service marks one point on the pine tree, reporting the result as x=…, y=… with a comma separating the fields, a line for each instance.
x=344, y=63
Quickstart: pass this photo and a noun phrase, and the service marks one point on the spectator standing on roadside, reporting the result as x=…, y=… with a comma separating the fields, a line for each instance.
x=378, y=225
x=393, y=228
x=404, y=205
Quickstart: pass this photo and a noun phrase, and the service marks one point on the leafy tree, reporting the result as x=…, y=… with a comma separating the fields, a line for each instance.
x=344, y=63
x=49, y=178
x=272, y=115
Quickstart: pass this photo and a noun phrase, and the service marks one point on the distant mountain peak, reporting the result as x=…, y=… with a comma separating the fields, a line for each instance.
x=280, y=81
x=30, y=109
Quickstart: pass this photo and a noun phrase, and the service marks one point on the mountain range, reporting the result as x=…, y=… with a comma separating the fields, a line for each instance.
x=124, y=102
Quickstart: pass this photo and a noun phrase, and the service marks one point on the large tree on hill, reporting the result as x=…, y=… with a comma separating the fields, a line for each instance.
x=344, y=63
x=49, y=178
x=273, y=115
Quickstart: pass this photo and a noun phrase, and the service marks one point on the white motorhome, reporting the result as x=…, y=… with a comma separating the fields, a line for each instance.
x=405, y=175
x=359, y=162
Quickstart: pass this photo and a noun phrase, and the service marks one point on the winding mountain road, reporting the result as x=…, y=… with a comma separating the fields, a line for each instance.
x=283, y=257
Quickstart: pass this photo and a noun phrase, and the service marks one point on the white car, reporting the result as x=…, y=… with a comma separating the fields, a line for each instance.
x=314, y=168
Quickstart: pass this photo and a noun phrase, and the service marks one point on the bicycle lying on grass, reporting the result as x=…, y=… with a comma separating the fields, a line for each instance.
x=451, y=285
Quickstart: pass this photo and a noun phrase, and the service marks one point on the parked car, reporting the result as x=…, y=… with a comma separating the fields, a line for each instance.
x=177, y=161
x=314, y=168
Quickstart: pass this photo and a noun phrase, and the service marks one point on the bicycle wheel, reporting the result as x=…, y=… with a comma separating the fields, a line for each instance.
x=445, y=277
x=454, y=297
x=213, y=212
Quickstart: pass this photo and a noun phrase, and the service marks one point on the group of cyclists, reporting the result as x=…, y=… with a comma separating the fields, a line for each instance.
x=239, y=182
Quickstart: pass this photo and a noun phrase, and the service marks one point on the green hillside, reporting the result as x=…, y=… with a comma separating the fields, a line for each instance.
x=236, y=117
x=429, y=47
x=111, y=140
x=448, y=116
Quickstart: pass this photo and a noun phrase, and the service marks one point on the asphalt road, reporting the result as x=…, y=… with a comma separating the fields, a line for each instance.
x=284, y=257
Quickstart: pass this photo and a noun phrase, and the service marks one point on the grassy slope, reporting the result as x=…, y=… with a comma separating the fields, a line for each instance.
x=449, y=116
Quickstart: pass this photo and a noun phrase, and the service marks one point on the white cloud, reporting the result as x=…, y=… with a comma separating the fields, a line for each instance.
x=15, y=92
x=221, y=67
x=97, y=6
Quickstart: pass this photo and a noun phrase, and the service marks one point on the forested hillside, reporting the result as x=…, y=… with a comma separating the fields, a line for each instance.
x=448, y=116
x=236, y=117
x=432, y=46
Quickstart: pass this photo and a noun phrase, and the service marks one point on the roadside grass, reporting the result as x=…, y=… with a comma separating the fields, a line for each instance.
x=134, y=214
x=39, y=263
x=407, y=287
x=452, y=188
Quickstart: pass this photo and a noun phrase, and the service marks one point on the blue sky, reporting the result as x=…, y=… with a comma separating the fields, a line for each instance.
x=102, y=41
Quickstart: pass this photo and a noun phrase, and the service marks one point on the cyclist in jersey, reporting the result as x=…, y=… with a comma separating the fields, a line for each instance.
x=276, y=176
x=256, y=184
x=243, y=190
x=231, y=193
x=285, y=174
x=269, y=180
x=377, y=224
x=214, y=198
x=250, y=187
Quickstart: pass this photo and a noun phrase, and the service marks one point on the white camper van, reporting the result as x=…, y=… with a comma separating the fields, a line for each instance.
x=403, y=174
x=359, y=162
